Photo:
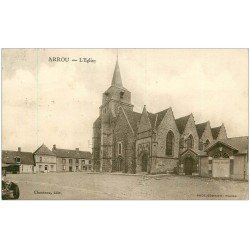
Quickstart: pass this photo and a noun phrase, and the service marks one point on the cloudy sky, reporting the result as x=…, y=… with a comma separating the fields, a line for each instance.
x=57, y=102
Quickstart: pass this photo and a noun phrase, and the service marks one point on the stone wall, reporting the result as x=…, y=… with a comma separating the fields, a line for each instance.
x=223, y=133
x=207, y=134
x=167, y=124
x=164, y=165
x=190, y=130
x=123, y=134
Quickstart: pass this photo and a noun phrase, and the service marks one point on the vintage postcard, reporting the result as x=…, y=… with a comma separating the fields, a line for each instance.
x=126, y=124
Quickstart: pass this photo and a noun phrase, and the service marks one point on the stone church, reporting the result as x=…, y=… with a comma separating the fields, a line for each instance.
x=132, y=142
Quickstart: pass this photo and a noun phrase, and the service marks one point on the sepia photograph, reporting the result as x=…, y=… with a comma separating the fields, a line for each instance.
x=125, y=124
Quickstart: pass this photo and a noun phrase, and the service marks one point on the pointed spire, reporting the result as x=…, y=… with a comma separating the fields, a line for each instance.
x=117, y=80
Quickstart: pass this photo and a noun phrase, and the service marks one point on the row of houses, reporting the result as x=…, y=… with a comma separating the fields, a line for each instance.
x=44, y=160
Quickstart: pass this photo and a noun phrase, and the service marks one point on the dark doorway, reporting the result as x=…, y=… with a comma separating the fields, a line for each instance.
x=188, y=166
x=144, y=163
x=70, y=169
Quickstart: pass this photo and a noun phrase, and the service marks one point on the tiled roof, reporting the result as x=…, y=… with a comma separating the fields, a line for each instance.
x=238, y=143
x=43, y=150
x=8, y=157
x=215, y=132
x=67, y=153
x=133, y=118
x=201, y=128
x=181, y=123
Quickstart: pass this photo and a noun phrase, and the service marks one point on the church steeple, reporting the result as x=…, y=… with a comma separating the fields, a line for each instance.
x=117, y=80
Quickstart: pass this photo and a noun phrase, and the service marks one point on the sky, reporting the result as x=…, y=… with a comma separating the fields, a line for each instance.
x=57, y=102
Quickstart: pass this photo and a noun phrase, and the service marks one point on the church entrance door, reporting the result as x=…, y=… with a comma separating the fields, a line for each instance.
x=144, y=163
x=188, y=166
x=119, y=164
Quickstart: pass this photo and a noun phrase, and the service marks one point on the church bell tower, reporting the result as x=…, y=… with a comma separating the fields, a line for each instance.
x=114, y=97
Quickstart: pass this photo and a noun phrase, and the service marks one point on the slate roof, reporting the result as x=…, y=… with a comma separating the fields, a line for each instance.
x=159, y=116
x=117, y=80
x=43, y=150
x=201, y=128
x=152, y=118
x=238, y=143
x=68, y=153
x=215, y=132
x=8, y=157
x=181, y=123
x=133, y=118
x=156, y=119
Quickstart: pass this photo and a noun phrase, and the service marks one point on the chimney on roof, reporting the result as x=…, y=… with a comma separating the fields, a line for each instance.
x=19, y=149
x=54, y=147
x=77, y=150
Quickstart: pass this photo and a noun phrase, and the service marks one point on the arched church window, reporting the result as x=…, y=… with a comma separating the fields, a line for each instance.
x=122, y=94
x=170, y=143
x=206, y=143
x=190, y=142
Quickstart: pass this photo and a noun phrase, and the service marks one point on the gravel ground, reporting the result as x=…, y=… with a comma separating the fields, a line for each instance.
x=92, y=186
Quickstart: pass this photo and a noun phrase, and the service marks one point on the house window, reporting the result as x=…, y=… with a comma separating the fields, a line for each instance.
x=18, y=159
x=190, y=142
x=83, y=162
x=46, y=168
x=170, y=143
x=77, y=161
x=70, y=161
x=41, y=159
x=89, y=161
x=51, y=167
x=40, y=168
x=63, y=161
x=64, y=168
